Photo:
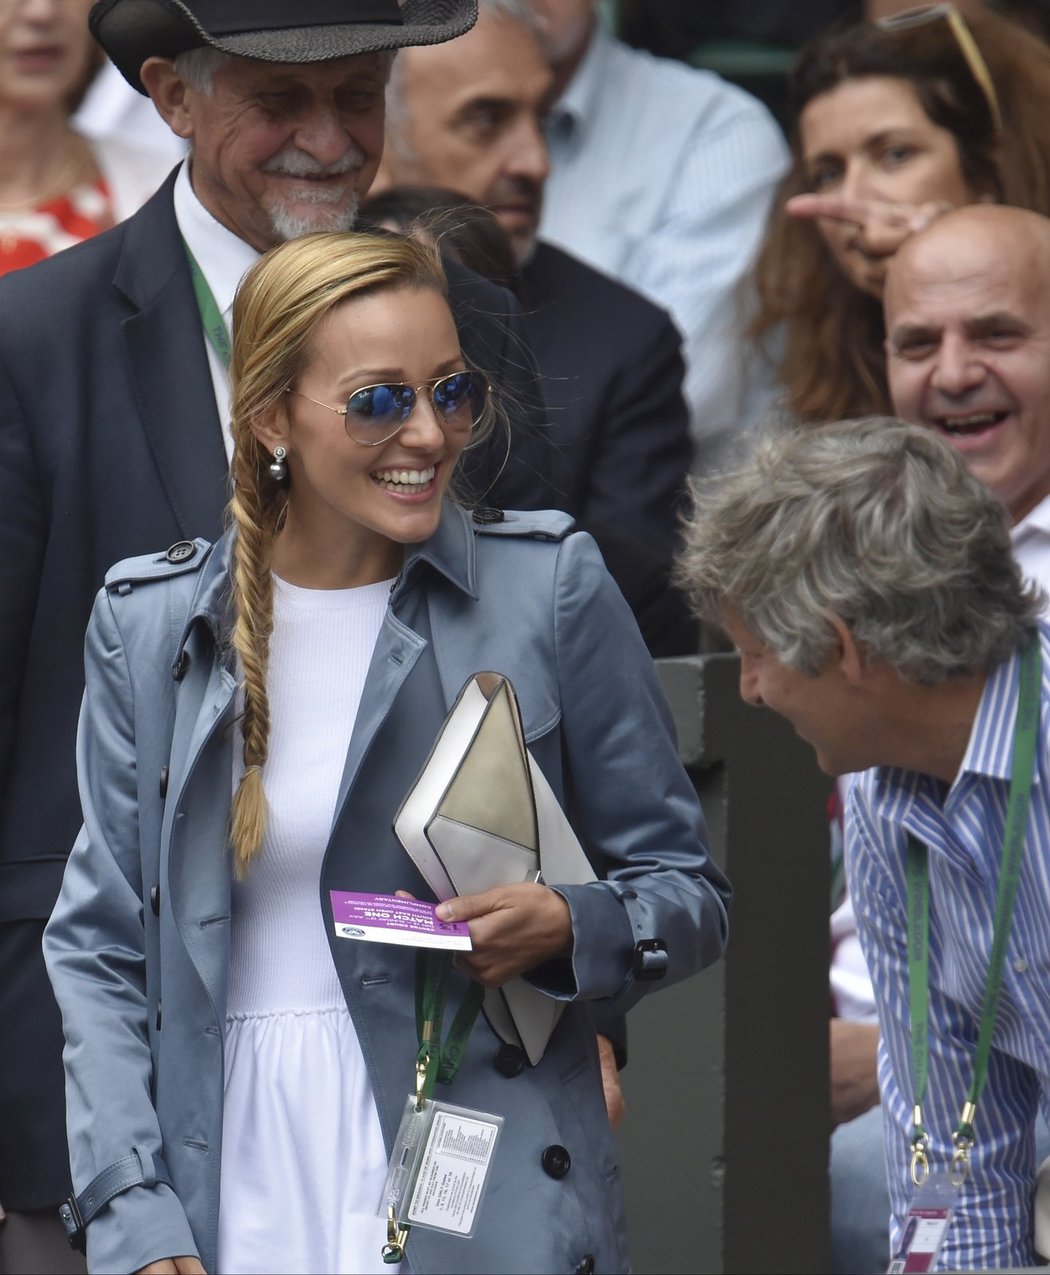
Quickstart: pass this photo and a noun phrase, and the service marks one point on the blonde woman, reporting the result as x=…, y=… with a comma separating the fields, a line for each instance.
x=255, y=712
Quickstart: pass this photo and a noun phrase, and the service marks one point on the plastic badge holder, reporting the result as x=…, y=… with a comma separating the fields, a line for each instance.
x=440, y=1165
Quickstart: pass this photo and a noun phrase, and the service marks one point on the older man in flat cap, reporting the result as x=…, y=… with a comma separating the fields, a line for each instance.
x=114, y=427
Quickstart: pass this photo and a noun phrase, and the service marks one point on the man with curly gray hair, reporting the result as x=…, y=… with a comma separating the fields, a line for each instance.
x=868, y=582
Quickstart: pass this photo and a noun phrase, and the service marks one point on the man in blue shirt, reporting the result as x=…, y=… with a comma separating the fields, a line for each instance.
x=869, y=584
x=662, y=175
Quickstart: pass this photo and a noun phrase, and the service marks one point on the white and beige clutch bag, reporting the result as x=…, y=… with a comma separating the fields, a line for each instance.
x=481, y=814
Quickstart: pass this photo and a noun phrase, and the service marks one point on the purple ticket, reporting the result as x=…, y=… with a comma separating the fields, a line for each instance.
x=384, y=918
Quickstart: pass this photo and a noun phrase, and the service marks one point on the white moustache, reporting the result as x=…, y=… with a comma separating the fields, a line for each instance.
x=292, y=162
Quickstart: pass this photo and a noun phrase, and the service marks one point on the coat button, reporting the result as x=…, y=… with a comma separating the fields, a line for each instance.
x=556, y=1161
x=163, y=785
x=485, y=515
x=181, y=551
x=509, y=1060
x=586, y=1265
x=154, y=900
x=178, y=669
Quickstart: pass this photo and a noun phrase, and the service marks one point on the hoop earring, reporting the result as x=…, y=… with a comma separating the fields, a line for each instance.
x=278, y=469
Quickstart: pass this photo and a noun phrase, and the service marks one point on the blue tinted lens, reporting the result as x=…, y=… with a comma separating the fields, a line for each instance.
x=459, y=397
x=379, y=407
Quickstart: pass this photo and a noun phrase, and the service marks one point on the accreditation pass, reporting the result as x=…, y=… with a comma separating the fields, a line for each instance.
x=452, y=1170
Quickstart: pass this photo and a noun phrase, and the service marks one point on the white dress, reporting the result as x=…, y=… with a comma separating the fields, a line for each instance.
x=303, y=1159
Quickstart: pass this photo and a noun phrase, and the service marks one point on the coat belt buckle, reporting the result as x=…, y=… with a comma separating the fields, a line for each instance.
x=73, y=1221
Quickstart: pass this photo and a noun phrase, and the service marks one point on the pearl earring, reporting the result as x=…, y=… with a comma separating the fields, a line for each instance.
x=278, y=469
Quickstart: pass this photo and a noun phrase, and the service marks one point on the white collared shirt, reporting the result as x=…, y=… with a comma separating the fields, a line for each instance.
x=662, y=176
x=223, y=258
x=1031, y=541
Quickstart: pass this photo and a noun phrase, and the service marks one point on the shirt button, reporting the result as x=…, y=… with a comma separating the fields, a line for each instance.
x=1021, y=965
x=556, y=1161
x=509, y=1060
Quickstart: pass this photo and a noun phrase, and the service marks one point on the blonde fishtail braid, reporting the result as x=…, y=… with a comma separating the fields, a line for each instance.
x=254, y=519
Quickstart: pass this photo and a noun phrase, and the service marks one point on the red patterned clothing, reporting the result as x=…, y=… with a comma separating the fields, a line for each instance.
x=30, y=234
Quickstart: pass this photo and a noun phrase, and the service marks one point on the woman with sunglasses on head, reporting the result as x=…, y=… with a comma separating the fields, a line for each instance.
x=255, y=713
x=896, y=122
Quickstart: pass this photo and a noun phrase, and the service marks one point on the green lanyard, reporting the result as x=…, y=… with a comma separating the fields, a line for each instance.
x=211, y=315
x=1022, y=768
x=437, y=1061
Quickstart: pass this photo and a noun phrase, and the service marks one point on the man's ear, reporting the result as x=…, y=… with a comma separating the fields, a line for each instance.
x=168, y=92
x=850, y=659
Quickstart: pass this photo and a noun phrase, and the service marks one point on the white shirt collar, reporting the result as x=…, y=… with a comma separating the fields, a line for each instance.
x=1036, y=520
x=222, y=256
x=577, y=103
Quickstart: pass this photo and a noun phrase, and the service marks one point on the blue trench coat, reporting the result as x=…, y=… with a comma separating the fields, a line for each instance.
x=138, y=946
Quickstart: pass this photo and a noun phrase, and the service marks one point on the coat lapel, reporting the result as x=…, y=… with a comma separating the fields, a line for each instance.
x=450, y=552
x=168, y=368
x=395, y=655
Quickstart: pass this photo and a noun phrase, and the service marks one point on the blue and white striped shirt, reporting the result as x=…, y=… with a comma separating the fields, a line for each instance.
x=662, y=176
x=993, y=1220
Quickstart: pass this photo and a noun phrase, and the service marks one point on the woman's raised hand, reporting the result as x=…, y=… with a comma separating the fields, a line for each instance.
x=882, y=226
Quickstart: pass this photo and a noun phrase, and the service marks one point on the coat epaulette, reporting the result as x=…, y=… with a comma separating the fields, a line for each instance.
x=540, y=524
x=183, y=556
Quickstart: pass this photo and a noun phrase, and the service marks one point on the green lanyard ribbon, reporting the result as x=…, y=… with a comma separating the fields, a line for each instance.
x=437, y=1061
x=211, y=316
x=1022, y=769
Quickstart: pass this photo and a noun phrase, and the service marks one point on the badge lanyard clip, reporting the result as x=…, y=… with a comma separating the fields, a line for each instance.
x=962, y=1139
x=920, y=1143
x=393, y=1250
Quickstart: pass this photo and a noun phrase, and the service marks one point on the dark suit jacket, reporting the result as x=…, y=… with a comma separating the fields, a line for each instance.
x=109, y=446
x=611, y=367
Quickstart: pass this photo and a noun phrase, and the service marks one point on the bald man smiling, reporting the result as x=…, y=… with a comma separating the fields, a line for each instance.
x=967, y=305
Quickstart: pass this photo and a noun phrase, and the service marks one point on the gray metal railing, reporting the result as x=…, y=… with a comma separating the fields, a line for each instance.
x=726, y=1138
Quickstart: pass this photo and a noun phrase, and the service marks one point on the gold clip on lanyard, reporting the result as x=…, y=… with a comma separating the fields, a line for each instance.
x=1022, y=769
x=920, y=1142
x=393, y=1251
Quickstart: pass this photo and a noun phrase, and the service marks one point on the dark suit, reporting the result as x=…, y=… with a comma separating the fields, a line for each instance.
x=110, y=445
x=611, y=368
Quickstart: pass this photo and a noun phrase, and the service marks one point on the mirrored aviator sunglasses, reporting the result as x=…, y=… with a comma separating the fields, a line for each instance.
x=375, y=413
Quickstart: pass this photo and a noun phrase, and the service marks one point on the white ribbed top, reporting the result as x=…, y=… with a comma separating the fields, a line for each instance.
x=319, y=654
x=303, y=1159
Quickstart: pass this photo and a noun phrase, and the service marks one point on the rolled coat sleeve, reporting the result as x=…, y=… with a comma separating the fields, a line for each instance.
x=94, y=946
x=634, y=807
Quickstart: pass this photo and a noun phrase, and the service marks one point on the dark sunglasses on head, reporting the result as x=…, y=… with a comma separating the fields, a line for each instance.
x=375, y=413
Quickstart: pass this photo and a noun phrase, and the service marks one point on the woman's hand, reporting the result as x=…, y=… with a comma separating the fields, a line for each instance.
x=882, y=225
x=877, y=227
x=513, y=928
x=185, y=1265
